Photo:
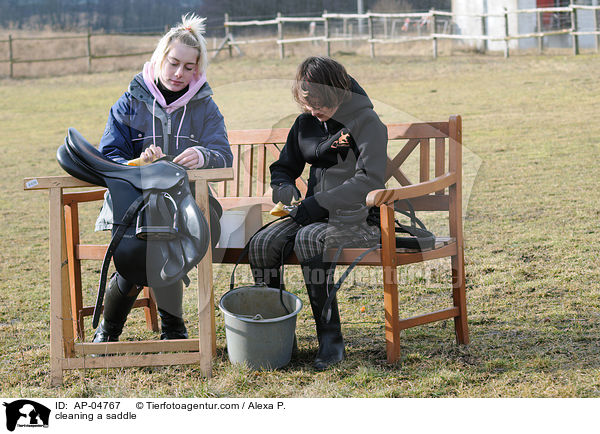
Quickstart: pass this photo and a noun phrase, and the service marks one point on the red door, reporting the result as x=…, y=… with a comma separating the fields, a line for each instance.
x=546, y=16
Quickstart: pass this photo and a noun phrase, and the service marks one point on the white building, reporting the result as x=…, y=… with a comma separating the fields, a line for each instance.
x=520, y=24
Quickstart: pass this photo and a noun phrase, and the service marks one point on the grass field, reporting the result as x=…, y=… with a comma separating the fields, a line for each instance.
x=531, y=228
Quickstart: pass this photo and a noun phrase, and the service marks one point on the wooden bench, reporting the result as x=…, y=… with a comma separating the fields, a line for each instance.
x=438, y=189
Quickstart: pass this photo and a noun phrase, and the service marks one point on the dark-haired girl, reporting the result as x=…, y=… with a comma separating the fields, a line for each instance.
x=344, y=142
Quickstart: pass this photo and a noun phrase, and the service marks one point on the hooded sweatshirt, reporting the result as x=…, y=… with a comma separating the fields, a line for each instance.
x=347, y=156
x=142, y=117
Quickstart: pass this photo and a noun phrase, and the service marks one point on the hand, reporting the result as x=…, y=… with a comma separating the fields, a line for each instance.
x=285, y=193
x=150, y=154
x=190, y=158
x=301, y=216
x=309, y=211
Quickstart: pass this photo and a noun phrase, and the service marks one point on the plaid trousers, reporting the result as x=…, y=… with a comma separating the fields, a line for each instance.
x=269, y=246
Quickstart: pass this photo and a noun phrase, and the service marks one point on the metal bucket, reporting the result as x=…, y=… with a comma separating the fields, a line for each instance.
x=258, y=329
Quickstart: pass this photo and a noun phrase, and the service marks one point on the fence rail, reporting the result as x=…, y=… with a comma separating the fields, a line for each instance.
x=431, y=19
x=90, y=55
x=427, y=25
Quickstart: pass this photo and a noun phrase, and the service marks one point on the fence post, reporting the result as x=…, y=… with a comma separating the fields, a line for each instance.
x=280, y=36
x=596, y=29
x=433, y=30
x=506, y=52
x=10, y=55
x=484, y=32
x=227, y=33
x=540, y=29
x=385, y=27
x=371, y=35
x=345, y=31
x=327, y=43
x=574, y=29
x=89, y=51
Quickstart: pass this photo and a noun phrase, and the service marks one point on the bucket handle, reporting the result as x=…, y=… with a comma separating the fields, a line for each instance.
x=247, y=249
x=245, y=252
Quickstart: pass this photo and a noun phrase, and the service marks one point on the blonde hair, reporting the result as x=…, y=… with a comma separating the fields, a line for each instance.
x=189, y=32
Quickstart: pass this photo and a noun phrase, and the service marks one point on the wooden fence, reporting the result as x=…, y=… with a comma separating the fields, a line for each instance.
x=90, y=56
x=13, y=59
x=428, y=29
x=381, y=29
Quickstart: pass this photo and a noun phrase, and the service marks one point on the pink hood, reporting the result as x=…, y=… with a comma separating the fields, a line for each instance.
x=150, y=82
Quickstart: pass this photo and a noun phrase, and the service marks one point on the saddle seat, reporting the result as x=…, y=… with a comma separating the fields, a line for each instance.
x=161, y=175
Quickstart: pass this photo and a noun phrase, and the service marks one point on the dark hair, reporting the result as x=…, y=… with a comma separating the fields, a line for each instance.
x=321, y=82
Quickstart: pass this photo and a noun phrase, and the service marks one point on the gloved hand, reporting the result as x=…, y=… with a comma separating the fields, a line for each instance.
x=309, y=211
x=300, y=215
x=285, y=193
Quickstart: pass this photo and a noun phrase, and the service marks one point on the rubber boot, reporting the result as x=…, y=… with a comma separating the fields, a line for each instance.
x=172, y=327
x=169, y=301
x=329, y=334
x=118, y=301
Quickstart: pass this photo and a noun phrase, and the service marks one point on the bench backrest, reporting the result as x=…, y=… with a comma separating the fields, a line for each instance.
x=254, y=150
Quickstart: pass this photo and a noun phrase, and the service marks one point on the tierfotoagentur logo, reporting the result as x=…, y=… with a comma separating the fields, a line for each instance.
x=24, y=413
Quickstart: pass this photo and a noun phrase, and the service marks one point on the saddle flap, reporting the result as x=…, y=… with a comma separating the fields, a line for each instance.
x=162, y=175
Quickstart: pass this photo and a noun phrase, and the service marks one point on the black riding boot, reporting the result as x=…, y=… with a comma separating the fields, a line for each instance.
x=118, y=301
x=172, y=327
x=331, y=343
x=170, y=309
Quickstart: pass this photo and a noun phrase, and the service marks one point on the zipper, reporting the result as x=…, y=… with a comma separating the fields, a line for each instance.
x=168, y=136
x=322, y=180
x=319, y=147
x=324, y=128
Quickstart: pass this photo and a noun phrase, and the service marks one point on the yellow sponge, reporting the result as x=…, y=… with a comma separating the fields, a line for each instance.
x=279, y=210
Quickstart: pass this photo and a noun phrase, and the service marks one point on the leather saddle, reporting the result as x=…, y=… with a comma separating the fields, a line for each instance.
x=159, y=233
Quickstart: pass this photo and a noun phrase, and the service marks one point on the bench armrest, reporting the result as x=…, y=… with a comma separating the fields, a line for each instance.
x=387, y=195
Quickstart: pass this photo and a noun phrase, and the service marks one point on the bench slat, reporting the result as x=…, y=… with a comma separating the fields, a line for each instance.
x=254, y=137
x=425, y=164
x=439, y=315
x=406, y=256
x=417, y=130
x=440, y=159
x=248, y=170
x=262, y=170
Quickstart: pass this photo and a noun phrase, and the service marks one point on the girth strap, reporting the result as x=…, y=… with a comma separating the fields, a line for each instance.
x=246, y=249
x=420, y=239
x=130, y=214
x=326, y=313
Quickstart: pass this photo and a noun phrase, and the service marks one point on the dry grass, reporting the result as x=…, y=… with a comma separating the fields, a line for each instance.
x=531, y=226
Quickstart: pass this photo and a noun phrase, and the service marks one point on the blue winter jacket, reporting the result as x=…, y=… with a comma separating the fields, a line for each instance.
x=136, y=121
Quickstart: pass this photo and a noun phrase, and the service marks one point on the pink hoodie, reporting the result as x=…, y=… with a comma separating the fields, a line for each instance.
x=150, y=82
x=194, y=87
